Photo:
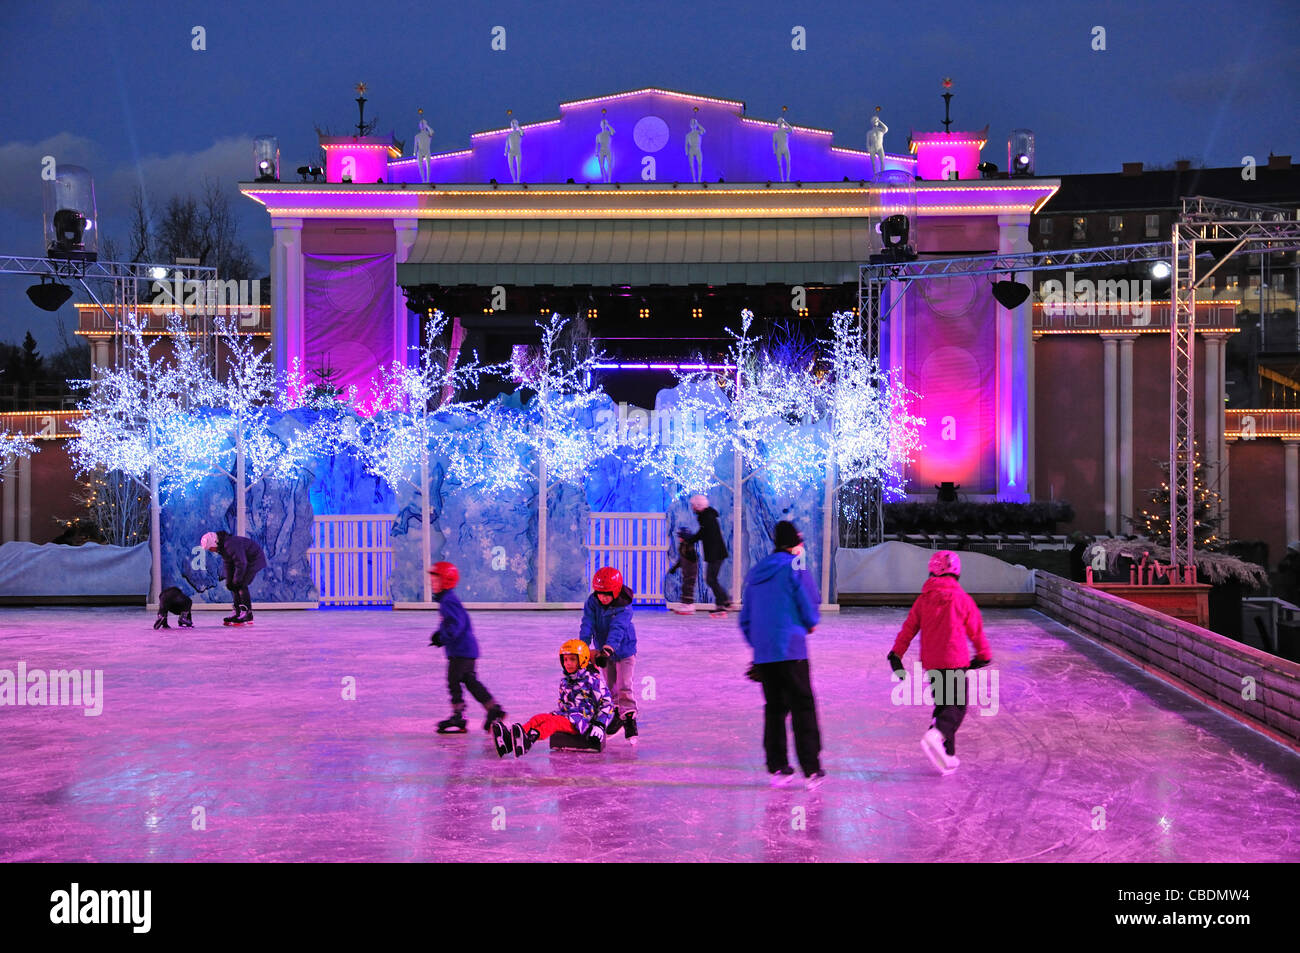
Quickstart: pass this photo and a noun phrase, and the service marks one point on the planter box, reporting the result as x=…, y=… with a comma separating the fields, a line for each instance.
x=1191, y=603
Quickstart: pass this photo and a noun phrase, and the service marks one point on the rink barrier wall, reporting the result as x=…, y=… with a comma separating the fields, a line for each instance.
x=1212, y=667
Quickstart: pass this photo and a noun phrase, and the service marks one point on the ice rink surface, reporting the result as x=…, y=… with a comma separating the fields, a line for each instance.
x=221, y=744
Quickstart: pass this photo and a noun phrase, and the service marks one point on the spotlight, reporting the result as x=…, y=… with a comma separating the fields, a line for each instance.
x=69, y=232
x=347, y=180
x=894, y=232
x=158, y=274
x=49, y=295
x=1010, y=293
x=987, y=170
x=1160, y=270
x=315, y=171
x=1020, y=152
x=1020, y=164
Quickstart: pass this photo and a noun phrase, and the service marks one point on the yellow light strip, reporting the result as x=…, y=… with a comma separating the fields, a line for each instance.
x=652, y=89
x=522, y=125
x=773, y=124
x=755, y=212
x=1040, y=332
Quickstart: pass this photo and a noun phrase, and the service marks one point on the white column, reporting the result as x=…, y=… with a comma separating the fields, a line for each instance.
x=1014, y=332
x=100, y=356
x=25, y=499
x=1292, y=478
x=407, y=230
x=9, y=489
x=1125, y=428
x=1215, y=455
x=287, y=292
x=1110, y=415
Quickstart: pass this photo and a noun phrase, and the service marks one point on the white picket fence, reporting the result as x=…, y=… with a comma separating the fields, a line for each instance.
x=636, y=544
x=352, y=559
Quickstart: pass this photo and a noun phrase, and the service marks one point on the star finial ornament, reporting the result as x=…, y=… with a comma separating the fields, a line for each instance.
x=947, y=82
x=361, y=89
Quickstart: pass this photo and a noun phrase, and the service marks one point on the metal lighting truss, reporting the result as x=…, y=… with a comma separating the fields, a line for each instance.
x=1252, y=229
x=123, y=275
x=1225, y=229
x=873, y=278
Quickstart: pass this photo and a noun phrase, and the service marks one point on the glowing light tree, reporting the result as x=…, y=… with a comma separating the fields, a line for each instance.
x=137, y=420
x=14, y=447
x=553, y=425
x=871, y=433
x=397, y=442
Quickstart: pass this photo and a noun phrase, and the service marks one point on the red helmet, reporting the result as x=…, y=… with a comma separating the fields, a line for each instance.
x=607, y=579
x=447, y=572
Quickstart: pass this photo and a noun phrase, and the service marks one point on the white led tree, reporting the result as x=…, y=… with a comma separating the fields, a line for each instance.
x=136, y=419
x=14, y=447
x=554, y=424
x=397, y=442
x=871, y=433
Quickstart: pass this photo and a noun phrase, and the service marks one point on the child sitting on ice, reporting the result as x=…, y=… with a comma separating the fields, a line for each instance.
x=585, y=707
x=946, y=617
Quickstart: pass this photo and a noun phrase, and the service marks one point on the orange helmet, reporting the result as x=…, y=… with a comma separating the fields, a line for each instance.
x=447, y=572
x=576, y=647
x=607, y=579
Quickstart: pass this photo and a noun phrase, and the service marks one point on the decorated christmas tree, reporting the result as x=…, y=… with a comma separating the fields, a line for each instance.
x=1207, y=514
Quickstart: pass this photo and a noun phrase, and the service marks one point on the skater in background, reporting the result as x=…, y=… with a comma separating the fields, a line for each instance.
x=779, y=610
x=172, y=599
x=243, y=560
x=608, y=628
x=688, y=561
x=455, y=634
x=584, y=708
x=947, y=618
x=715, y=551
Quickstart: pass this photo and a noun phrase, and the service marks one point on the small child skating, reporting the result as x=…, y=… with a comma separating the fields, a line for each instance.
x=584, y=709
x=607, y=627
x=688, y=561
x=172, y=599
x=456, y=635
x=947, y=618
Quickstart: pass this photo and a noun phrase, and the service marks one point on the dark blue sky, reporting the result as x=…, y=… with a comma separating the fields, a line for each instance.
x=1202, y=80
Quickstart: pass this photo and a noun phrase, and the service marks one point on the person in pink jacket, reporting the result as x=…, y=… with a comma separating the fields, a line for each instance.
x=947, y=618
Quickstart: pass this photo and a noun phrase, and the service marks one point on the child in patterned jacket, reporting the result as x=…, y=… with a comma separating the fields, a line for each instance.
x=585, y=707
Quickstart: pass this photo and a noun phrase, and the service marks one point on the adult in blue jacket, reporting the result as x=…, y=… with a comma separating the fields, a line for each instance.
x=778, y=611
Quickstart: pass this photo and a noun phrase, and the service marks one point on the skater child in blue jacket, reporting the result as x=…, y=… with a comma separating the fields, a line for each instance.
x=456, y=635
x=607, y=627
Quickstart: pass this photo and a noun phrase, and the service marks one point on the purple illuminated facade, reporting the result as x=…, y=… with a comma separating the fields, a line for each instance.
x=344, y=252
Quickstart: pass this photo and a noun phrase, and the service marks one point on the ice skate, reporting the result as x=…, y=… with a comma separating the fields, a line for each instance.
x=815, y=780
x=455, y=725
x=615, y=725
x=233, y=619
x=683, y=609
x=495, y=714
x=501, y=738
x=629, y=729
x=718, y=614
x=186, y=621
x=161, y=623
x=523, y=740
x=783, y=777
x=932, y=745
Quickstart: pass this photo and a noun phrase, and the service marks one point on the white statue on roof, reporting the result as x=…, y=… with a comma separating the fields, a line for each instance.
x=603, y=153
x=514, y=150
x=423, y=141
x=781, y=146
x=876, y=143
x=693, y=152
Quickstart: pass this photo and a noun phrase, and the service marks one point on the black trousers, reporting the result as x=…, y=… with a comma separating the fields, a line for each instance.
x=720, y=596
x=690, y=572
x=241, y=596
x=460, y=671
x=950, y=705
x=787, y=690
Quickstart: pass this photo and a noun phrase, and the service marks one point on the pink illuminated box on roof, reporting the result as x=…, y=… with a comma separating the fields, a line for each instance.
x=940, y=153
x=362, y=159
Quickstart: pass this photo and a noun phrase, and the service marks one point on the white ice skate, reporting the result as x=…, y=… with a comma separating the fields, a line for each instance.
x=932, y=745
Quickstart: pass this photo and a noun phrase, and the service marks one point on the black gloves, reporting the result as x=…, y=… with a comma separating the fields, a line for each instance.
x=980, y=662
x=896, y=664
x=752, y=674
x=603, y=657
x=435, y=639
